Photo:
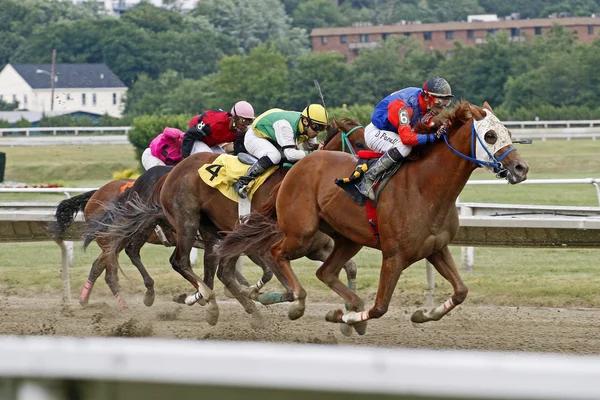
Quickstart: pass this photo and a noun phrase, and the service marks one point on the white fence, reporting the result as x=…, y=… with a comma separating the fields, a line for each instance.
x=67, y=130
x=50, y=368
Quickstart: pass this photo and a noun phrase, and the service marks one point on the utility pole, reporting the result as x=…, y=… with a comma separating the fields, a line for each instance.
x=52, y=79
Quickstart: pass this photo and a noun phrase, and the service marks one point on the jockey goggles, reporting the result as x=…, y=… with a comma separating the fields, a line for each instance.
x=317, y=127
x=441, y=102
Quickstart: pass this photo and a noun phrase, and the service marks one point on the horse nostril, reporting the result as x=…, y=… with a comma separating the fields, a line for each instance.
x=521, y=169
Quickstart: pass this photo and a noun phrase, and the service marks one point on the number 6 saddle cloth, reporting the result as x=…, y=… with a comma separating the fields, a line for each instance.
x=225, y=171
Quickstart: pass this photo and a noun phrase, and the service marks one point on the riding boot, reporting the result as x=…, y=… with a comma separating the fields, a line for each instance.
x=385, y=162
x=241, y=186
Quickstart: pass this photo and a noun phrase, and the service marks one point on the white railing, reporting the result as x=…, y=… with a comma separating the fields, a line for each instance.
x=41, y=365
x=70, y=130
x=591, y=123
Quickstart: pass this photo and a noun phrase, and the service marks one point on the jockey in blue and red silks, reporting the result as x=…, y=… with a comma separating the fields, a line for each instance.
x=393, y=121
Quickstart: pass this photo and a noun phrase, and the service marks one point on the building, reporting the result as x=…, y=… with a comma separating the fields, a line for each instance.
x=87, y=88
x=349, y=40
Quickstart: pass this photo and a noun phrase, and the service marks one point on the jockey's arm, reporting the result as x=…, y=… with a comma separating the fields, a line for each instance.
x=287, y=140
x=310, y=145
x=400, y=115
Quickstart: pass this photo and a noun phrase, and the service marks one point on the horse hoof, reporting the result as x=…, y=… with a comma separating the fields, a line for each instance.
x=228, y=293
x=180, y=299
x=83, y=302
x=148, y=300
x=269, y=298
x=257, y=320
x=212, y=313
x=251, y=292
x=334, y=316
x=419, y=316
x=295, y=311
x=360, y=327
x=346, y=330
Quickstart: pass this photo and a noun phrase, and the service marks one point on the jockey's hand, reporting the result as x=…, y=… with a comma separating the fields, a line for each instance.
x=442, y=131
x=321, y=145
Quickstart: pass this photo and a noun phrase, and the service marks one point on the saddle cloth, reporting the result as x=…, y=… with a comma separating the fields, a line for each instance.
x=225, y=171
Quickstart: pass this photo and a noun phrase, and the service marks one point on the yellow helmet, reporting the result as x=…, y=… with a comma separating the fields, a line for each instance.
x=316, y=114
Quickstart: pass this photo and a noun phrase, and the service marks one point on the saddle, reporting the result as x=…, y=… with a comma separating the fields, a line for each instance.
x=365, y=159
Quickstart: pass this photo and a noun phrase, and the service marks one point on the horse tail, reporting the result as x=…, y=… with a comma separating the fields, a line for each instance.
x=124, y=217
x=67, y=210
x=255, y=233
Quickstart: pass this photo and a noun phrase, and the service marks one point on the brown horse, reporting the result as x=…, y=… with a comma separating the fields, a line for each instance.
x=416, y=212
x=93, y=204
x=189, y=205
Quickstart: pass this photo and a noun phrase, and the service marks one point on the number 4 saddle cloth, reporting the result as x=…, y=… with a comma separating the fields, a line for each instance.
x=225, y=171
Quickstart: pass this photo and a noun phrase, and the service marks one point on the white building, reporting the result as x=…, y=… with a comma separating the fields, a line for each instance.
x=91, y=88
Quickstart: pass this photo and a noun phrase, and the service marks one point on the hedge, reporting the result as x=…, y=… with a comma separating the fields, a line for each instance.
x=147, y=127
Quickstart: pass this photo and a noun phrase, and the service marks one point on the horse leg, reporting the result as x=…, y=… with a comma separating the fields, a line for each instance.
x=112, y=277
x=328, y=273
x=133, y=252
x=226, y=274
x=322, y=253
x=444, y=264
x=281, y=252
x=180, y=261
x=267, y=267
x=98, y=267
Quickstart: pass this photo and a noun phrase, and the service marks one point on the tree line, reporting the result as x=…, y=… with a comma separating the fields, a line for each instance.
x=258, y=50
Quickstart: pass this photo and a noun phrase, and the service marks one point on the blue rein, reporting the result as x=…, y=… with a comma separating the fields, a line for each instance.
x=346, y=141
x=495, y=165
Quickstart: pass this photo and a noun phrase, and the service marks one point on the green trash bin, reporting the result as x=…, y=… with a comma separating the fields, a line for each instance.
x=2, y=165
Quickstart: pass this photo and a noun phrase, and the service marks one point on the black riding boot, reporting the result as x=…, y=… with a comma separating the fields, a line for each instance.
x=385, y=162
x=263, y=164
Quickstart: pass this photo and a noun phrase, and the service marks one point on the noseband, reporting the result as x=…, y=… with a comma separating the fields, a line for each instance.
x=496, y=165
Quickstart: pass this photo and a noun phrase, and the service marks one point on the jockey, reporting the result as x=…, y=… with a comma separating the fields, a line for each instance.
x=164, y=149
x=277, y=134
x=393, y=121
x=214, y=127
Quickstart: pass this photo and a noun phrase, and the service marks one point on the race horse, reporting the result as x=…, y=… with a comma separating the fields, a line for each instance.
x=93, y=204
x=190, y=205
x=416, y=212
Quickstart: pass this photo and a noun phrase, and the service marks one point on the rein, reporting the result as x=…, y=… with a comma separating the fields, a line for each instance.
x=346, y=141
x=495, y=165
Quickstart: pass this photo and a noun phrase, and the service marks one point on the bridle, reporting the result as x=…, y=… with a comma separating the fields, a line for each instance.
x=346, y=141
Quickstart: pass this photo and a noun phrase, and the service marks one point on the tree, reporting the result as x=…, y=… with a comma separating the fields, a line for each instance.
x=312, y=14
x=156, y=19
x=261, y=77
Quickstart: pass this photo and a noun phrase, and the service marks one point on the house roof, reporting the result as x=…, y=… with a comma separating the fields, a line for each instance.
x=69, y=76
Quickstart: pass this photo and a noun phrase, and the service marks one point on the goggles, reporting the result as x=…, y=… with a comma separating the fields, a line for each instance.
x=245, y=121
x=317, y=127
x=441, y=102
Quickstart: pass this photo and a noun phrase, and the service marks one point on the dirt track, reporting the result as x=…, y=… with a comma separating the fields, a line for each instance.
x=467, y=327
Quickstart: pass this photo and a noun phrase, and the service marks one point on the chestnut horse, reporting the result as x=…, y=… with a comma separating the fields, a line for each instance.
x=93, y=205
x=189, y=205
x=416, y=212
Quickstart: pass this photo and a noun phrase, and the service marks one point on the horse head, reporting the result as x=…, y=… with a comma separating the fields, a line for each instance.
x=346, y=135
x=490, y=143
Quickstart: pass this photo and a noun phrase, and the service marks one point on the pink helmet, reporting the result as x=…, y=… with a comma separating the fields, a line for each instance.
x=243, y=109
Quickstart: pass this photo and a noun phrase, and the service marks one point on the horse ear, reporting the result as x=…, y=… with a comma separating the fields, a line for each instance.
x=476, y=112
x=486, y=105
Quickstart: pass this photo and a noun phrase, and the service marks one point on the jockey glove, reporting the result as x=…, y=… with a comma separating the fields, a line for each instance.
x=442, y=131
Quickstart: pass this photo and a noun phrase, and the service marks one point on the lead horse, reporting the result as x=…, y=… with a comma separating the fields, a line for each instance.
x=189, y=205
x=416, y=211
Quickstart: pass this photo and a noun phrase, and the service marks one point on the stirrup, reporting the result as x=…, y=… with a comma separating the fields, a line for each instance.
x=241, y=189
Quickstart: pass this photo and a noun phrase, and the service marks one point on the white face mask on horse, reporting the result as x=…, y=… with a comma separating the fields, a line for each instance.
x=493, y=136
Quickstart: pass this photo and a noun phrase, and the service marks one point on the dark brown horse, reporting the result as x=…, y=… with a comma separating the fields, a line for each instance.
x=93, y=204
x=416, y=212
x=189, y=205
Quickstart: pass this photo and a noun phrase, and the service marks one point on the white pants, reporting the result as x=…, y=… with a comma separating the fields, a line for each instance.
x=260, y=147
x=149, y=161
x=201, y=147
x=381, y=140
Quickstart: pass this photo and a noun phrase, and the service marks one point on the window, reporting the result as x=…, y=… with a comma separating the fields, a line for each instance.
x=491, y=32
x=470, y=34
x=590, y=29
x=515, y=32
x=25, y=100
x=14, y=98
x=427, y=35
x=406, y=33
x=114, y=99
x=343, y=39
x=364, y=38
x=384, y=36
x=449, y=35
x=94, y=99
x=83, y=99
x=538, y=30
x=68, y=96
x=323, y=39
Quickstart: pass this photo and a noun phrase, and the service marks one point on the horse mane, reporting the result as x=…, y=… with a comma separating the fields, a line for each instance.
x=345, y=124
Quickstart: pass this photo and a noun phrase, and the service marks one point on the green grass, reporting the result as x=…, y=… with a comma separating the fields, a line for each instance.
x=503, y=276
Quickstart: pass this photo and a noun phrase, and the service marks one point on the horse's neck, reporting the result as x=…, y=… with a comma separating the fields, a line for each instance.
x=442, y=173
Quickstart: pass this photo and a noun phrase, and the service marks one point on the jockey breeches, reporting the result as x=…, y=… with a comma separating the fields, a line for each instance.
x=381, y=140
x=149, y=161
x=260, y=147
x=201, y=147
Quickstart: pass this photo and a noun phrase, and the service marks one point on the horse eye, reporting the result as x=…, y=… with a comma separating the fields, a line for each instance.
x=361, y=145
x=491, y=137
